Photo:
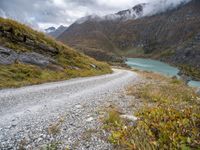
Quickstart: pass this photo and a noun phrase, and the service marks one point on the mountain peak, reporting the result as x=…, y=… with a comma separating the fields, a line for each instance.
x=55, y=32
x=133, y=13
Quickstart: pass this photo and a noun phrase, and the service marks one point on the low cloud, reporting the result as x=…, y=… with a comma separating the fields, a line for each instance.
x=157, y=6
x=41, y=14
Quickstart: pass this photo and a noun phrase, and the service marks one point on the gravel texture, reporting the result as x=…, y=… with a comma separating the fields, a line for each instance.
x=65, y=114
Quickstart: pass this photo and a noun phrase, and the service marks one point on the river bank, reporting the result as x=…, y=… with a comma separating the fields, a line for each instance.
x=162, y=68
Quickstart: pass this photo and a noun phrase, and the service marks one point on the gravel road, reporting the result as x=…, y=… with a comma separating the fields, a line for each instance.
x=62, y=113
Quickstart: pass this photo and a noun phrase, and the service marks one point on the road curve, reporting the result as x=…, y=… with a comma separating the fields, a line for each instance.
x=27, y=112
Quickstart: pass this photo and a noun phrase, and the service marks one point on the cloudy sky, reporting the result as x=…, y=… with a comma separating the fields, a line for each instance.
x=41, y=14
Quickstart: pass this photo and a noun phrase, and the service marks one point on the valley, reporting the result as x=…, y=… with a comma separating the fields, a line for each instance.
x=171, y=36
x=100, y=75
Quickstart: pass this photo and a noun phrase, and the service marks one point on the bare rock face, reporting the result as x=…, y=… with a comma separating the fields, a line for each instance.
x=9, y=56
x=28, y=42
x=34, y=59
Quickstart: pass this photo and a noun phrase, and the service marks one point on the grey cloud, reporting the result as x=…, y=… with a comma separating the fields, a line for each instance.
x=157, y=6
x=43, y=13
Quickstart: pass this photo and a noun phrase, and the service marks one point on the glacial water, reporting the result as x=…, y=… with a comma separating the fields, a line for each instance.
x=158, y=67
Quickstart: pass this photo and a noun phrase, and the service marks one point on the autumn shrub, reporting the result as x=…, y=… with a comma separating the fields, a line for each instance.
x=170, y=118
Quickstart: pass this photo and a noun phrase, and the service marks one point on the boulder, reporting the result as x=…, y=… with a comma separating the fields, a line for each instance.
x=132, y=119
x=47, y=48
x=129, y=117
x=93, y=66
x=7, y=56
x=34, y=59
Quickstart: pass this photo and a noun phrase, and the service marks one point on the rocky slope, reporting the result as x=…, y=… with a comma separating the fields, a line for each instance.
x=172, y=36
x=29, y=57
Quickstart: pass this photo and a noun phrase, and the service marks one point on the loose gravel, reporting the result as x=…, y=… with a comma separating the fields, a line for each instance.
x=65, y=114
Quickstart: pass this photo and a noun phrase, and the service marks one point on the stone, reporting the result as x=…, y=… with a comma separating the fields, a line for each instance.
x=30, y=42
x=39, y=140
x=93, y=66
x=7, y=56
x=55, y=67
x=47, y=48
x=79, y=106
x=89, y=119
x=76, y=68
x=129, y=117
x=34, y=58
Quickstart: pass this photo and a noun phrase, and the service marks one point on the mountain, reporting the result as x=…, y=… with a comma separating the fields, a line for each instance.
x=52, y=31
x=172, y=35
x=90, y=34
x=133, y=13
x=30, y=57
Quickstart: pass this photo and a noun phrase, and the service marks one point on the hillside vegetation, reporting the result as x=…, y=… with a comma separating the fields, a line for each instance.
x=30, y=57
x=168, y=119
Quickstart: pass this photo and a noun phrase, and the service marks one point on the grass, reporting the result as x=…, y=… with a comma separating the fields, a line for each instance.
x=51, y=146
x=18, y=75
x=75, y=64
x=169, y=119
x=19, y=29
x=132, y=52
x=167, y=53
x=55, y=127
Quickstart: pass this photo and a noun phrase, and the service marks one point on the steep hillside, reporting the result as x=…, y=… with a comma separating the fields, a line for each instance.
x=93, y=35
x=30, y=57
x=89, y=38
x=172, y=36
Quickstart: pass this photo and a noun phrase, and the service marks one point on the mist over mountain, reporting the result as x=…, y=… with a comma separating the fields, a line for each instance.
x=50, y=29
x=42, y=14
x=55, y=32
x=138, y=11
